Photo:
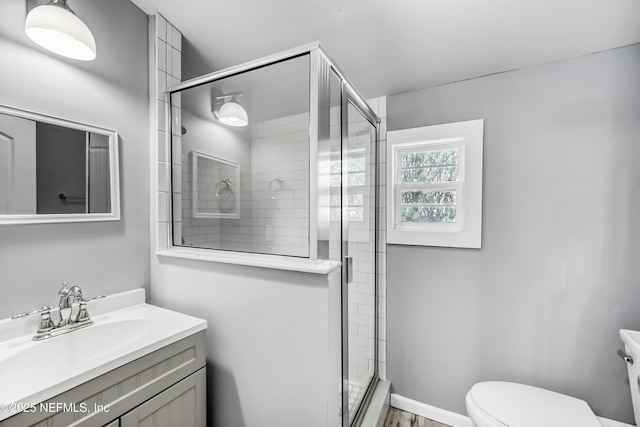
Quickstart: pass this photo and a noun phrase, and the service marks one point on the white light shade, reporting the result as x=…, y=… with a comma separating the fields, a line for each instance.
x=233, y=114
x=59, y=30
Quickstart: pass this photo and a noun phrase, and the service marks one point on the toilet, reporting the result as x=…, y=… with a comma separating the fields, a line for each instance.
x=507, y=404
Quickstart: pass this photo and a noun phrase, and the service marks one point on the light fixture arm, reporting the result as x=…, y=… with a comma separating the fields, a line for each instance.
x=63, y=4
x=229, y=97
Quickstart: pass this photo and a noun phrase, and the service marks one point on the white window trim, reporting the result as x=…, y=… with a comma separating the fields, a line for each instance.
x=458, y=186
x=466, y=232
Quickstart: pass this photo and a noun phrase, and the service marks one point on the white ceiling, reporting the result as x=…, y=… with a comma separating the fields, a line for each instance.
x=386, y=46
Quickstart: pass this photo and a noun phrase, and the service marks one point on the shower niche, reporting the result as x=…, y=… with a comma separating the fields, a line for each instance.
x=278, y=157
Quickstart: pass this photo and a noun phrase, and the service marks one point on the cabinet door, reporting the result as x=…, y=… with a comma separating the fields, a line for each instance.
x=182, y=404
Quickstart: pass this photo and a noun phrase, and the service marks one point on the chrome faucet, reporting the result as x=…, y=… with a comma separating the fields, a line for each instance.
x=64, y=302
x=66, y=297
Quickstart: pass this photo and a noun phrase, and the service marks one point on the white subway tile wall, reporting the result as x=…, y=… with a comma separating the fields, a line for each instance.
x=379, y=106
x=273, y=194
x=168, y=71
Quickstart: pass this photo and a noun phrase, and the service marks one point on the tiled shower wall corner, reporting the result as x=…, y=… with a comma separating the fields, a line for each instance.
x=379, y=106
x=168, y=72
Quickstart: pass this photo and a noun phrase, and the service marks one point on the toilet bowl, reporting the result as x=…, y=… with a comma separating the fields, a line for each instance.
x=506, y=404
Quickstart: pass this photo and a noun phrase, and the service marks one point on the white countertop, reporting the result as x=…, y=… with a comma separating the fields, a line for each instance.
x=124, y=329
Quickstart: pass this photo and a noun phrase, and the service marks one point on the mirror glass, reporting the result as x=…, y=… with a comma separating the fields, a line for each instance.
x=53, y=170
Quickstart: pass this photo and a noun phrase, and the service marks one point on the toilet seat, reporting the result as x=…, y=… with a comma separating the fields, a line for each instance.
x=504, y=404
x=478, y=416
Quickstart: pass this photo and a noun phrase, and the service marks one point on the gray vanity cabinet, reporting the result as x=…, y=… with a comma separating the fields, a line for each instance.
x=176, y=406
x=164, y=388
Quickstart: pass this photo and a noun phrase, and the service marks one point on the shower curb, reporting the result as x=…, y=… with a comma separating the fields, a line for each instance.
x=378, y=406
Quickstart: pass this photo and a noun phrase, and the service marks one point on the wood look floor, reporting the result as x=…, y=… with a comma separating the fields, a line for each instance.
x=398, y=418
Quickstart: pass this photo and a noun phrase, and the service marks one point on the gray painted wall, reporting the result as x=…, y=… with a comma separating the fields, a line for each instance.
x=110, y=92
x=557, y=276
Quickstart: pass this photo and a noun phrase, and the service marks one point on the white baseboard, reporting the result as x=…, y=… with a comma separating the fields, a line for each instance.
x=427, y=411
x=454, y=419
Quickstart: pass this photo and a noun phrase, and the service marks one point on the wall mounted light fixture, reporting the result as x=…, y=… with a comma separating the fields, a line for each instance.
x=227, y=110
x=56, y=27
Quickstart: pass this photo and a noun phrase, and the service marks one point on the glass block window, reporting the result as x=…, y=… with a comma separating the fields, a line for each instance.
x=435, y=178
x=424, y=191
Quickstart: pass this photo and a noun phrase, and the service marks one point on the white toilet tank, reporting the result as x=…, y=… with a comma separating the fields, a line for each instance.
x=631, y=341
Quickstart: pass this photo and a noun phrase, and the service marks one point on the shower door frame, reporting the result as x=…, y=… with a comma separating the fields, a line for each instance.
x=350, y=96
x=321, y=68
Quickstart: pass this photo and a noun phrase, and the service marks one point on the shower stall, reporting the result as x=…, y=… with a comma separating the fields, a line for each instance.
x=278, y=157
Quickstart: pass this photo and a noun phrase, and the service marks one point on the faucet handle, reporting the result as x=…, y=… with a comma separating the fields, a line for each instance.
x=83, y=314
x=94, y=298
x=46, y=324
x=21, y=315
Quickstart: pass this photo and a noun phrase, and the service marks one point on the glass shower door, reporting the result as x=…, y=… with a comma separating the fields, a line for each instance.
x=359, y=263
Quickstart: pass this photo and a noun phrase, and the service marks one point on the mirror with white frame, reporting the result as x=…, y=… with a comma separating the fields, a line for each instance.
x=55, y=170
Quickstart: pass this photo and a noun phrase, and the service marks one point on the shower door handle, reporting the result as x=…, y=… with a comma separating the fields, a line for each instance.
x=348, y=265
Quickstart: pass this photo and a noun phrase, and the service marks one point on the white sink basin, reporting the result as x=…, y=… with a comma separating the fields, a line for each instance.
x=34, y=371
x=80, y=346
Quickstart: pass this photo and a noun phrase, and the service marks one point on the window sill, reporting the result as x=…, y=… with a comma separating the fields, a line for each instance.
x=303, y=265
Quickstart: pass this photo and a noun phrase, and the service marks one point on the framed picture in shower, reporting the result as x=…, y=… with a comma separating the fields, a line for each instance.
x=215, y=184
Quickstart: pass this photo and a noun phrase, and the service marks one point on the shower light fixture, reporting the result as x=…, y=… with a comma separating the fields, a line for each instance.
x=56, y=27
x=227, y=110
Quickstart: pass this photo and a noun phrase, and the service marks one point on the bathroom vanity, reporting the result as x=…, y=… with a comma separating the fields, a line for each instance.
x=136, y=365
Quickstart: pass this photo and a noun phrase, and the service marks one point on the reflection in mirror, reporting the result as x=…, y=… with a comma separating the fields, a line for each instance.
x=215, y=183
x=53, y=170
